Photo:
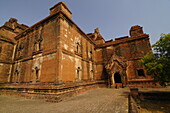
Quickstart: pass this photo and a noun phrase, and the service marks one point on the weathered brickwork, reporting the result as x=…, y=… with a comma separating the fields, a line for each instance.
x=7, y=47
x=56, y=51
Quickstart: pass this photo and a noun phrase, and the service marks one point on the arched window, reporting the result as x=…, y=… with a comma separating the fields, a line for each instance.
x=78, y=48
x=78, y=73
x=37, y=73
x=0, y=49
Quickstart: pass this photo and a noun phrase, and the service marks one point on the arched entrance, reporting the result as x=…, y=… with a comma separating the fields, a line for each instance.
x=116, y=67
x=118, y=80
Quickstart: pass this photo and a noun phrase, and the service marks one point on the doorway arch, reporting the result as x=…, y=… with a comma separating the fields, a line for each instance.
x=117, y=78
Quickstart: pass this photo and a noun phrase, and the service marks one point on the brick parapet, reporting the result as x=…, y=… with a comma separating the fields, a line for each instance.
x=59, y=14
x=124, y=40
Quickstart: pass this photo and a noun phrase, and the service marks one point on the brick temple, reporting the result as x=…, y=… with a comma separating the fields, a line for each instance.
x=54, y=56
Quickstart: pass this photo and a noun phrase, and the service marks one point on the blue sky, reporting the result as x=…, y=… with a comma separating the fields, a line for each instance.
x=113, y=17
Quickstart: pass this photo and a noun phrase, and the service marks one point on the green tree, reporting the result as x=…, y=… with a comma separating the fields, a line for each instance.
x=157, y=62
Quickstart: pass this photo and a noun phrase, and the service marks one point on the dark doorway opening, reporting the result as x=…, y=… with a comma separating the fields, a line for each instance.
x=117, y=78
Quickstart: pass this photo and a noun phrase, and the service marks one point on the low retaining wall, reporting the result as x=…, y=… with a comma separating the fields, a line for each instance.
x=142, y=84
x=133, y=107
x=49, y=92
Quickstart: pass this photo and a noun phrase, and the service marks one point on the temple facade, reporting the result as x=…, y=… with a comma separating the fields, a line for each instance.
x=56, y=51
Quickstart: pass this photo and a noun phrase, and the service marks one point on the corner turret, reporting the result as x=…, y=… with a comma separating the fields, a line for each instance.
x=136, y=30
x=96, y=37
x=12, y=28
x=61, y=6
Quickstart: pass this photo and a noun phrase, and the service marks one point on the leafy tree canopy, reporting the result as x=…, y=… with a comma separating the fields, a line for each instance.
x=157, y=62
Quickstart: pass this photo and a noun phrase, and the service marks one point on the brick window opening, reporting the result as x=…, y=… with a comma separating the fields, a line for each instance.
x=140, y=72
x=78, y=48
x=0, y=49
x=78, y=73
x=37, y=73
